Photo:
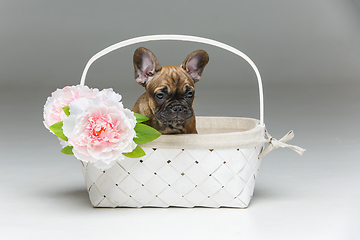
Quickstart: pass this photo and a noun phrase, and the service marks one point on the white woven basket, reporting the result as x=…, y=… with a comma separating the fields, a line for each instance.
x=215, y=168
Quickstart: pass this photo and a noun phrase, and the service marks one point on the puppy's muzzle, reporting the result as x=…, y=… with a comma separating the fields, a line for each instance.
x=175, y=113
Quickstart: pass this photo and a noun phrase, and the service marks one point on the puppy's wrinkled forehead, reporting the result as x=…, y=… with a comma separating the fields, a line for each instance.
x=171, y=78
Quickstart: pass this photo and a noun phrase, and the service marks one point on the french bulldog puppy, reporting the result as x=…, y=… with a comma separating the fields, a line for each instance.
x=169, y=91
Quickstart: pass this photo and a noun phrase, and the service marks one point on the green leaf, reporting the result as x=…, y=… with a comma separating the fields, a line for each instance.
x=68, y=150
x=57, y=129
x=145, y=134
x=136, y=153
x=66, y=110
x=140, y=118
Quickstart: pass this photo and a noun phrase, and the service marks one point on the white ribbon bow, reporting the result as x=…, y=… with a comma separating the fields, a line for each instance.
x=274, y=144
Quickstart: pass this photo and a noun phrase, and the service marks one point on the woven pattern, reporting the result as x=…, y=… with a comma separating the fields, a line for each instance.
x=177, y=177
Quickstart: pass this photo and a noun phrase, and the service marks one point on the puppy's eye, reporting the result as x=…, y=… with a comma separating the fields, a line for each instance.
x=160, y=95
x=190, y=94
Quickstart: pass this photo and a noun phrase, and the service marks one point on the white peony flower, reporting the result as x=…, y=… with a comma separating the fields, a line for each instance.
x=100, y=129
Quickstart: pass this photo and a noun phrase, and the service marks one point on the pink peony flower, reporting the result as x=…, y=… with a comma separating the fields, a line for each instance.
x=53, y=111
x=100, y=129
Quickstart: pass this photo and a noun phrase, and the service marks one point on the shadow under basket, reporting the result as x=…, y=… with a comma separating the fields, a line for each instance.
x=215, y=168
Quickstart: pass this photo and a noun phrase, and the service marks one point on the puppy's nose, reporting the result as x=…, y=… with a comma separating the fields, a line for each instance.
x=177, y=108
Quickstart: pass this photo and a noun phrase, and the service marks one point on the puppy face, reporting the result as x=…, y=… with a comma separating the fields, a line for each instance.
x=170, y=91
x=171, y=97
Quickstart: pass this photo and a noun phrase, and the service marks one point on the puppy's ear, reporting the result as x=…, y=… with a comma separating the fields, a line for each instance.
x=195, y=63
x=145, y=65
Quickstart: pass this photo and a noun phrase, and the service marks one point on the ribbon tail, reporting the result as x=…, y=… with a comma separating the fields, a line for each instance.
x=268, y=149
x=297, y=149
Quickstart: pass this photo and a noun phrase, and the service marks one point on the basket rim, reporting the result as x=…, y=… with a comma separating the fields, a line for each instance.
x=231, y=139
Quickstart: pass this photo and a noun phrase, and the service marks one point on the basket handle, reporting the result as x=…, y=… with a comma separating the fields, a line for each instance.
x=181, y=38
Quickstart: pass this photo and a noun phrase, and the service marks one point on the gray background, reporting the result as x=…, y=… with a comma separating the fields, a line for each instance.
x=308, y=55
